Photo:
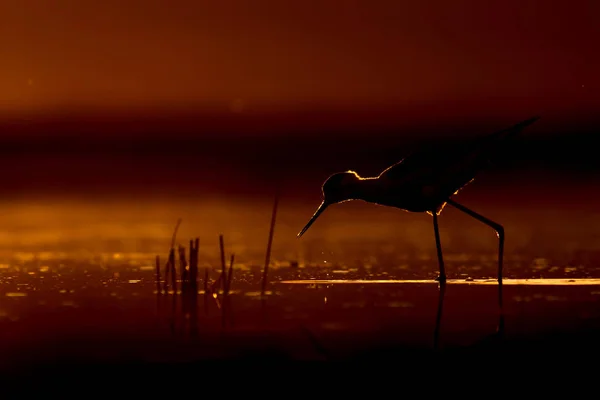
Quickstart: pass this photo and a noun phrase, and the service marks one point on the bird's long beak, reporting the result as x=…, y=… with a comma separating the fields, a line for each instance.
x=321, y=208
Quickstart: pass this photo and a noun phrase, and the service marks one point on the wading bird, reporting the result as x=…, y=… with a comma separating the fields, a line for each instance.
x=425, y=181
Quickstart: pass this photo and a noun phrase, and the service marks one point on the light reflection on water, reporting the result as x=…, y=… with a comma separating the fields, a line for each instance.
x=537, y=282
x=40, y=305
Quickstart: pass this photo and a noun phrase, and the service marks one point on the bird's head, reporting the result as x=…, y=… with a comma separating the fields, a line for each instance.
x=337, y=188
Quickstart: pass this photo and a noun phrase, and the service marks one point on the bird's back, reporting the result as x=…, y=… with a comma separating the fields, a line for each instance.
x=442, y=169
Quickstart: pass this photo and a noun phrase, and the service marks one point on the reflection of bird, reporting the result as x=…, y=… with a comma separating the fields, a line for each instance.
x=425, y=181
x=491, y=340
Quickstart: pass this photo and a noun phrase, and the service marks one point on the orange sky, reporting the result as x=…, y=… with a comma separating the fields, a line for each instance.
x=113, y=53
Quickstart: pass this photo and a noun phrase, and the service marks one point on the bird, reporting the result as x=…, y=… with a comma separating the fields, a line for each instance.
x=425, y=182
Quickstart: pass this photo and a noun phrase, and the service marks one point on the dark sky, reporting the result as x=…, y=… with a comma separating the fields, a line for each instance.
x=108, y=53
x=338, y=85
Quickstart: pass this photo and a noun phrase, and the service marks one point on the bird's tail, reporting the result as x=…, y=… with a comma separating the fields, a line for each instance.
x=514, y=130
x=497, y=142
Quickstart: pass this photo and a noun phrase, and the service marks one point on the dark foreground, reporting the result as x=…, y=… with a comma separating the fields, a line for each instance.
x=122, y=328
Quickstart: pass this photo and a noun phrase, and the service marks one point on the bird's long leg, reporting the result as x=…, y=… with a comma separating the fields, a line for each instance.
x=496, y=226
x=438, y=244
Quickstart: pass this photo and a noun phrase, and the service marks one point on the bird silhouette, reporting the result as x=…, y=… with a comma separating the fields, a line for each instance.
x=425, y=181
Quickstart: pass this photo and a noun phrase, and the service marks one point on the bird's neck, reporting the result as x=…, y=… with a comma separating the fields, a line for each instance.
x=366, y=189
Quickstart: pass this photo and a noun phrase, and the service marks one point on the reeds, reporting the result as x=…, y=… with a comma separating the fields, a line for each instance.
x=223, y=276
x=188, y=268
x=230, y=274
x=169, y=266
x=269, y=243
x=158, y=274
x=193, y=272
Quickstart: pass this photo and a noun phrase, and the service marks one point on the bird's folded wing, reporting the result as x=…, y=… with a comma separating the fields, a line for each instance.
x=444, y=162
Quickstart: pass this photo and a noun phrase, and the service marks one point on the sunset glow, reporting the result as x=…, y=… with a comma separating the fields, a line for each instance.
x=96, y=53
x=162, y=163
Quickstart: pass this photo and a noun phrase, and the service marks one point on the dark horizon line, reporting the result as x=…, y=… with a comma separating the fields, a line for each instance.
x=214, y=130
x=315, y=115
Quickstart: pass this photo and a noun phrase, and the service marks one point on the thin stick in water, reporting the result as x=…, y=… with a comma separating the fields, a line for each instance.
x=158, y=275
x=195, y=274
x=170, y=266
x=205, y=280
x=166, y=281
x=191, y=268
x=223, y=268
x=183, y=266
x=230, y=273
x=174, y=238
x=173, y=273
x=269, y=243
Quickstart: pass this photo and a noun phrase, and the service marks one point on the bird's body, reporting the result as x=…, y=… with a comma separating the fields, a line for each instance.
x=425, y=181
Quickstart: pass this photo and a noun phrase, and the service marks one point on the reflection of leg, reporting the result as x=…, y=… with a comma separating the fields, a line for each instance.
x=438, y=245
x=500, y=312
x=496, y=226
x=438, y=320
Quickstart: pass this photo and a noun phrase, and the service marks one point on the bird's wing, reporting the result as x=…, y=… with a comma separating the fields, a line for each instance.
x=482, y=152
x=419, y=165
x=508, y=133
x=452, y=164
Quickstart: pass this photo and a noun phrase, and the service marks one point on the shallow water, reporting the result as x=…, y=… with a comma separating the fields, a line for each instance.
x=115, y=314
